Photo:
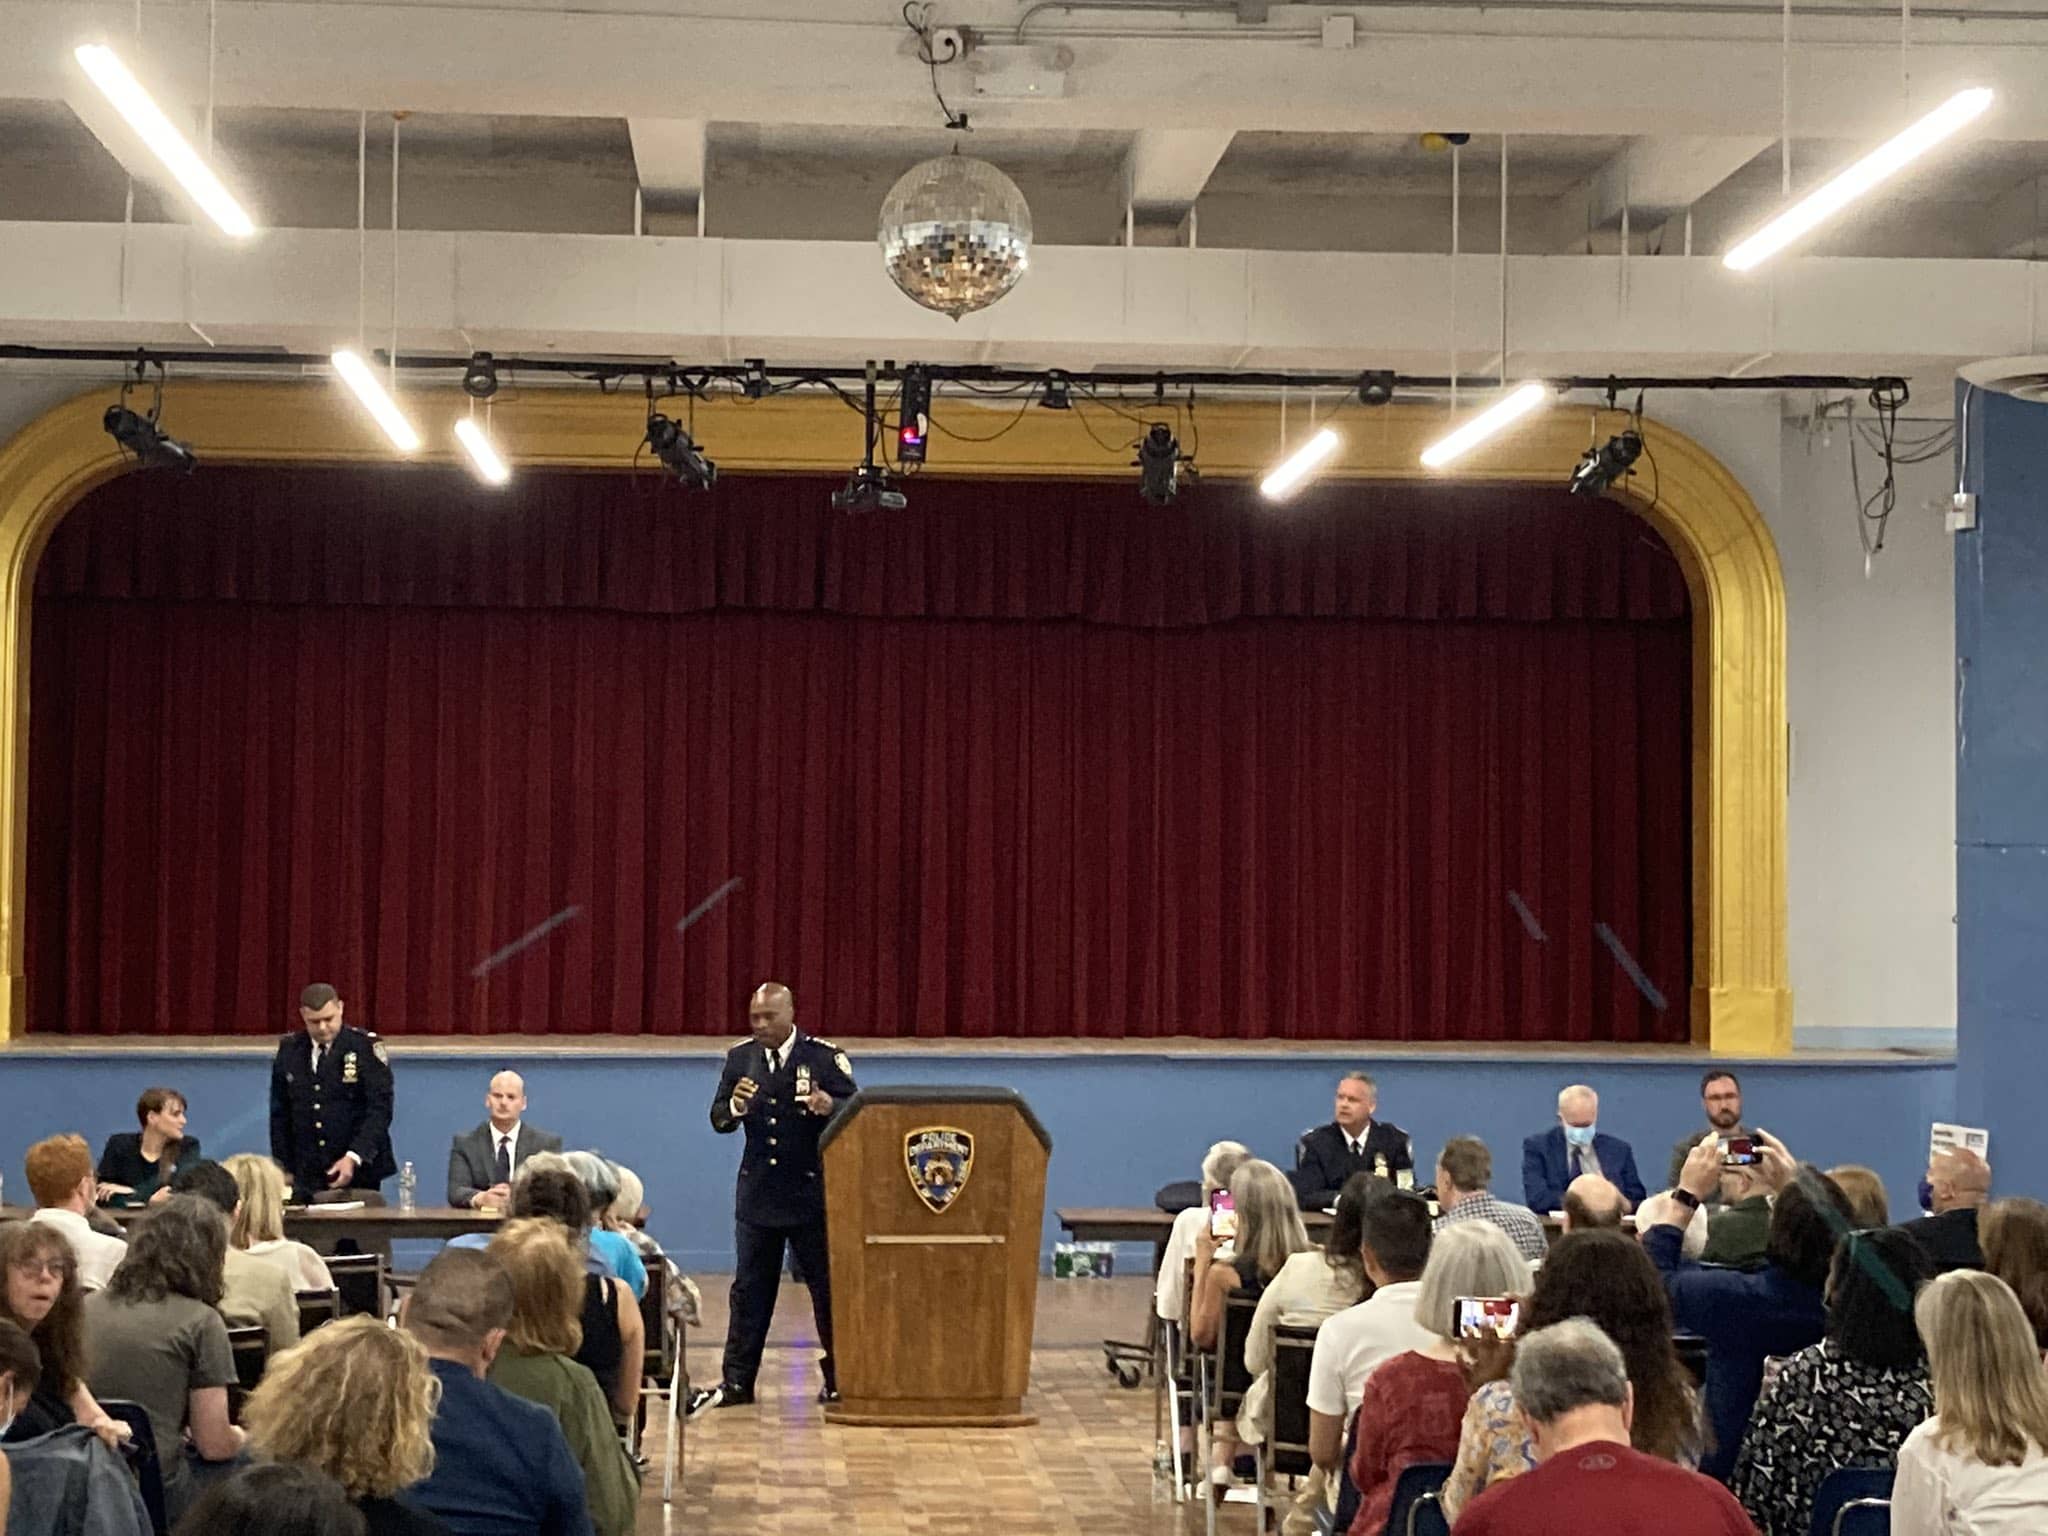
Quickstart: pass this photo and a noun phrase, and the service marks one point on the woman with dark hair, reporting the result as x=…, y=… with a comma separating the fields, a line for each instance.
x=1602, y=1275
x=1748, y=1316
x=285, y=1498
x=2014, y=1236
x=157, y=1340
x=1848, y=1401
x=136, y=1167
x=40, y=1294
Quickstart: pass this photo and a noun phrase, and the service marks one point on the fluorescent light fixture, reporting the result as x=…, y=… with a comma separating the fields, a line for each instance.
x=362, y=378
x=490, y=468
x=1299, y=465
x=1890, y=157
x=163, y=140
x=1496, y=418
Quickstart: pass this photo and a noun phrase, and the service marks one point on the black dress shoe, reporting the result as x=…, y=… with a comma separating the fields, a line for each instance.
x=828, y=1394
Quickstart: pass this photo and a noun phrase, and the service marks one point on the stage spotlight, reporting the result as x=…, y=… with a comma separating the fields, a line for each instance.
x=1059, y=392
x=754, y=382
x=146, y=442
x=679, y=453
x=1600, y=467
x=480, y=378
x=1159, y=464
x=1376, y=387
x=867, y=490
x=914, y=419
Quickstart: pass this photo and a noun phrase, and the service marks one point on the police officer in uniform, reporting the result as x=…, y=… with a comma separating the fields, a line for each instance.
x=330, y=1102
x=1354, y=1142
x=780, y=1087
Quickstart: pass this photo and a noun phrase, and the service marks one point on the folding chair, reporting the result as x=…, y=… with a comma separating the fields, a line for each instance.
x=1416, y=1510
x=317, y=1308
x=1223, y=1380
x=251, y=1350
x=361, y=1282
x=1860, y=1487
x=1284, y=1452
x=1177, y=1384
x=661, y=1371
x=142, y=1459
x=1864, y=1517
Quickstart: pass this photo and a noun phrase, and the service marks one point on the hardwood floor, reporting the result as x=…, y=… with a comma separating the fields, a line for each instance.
x=777, y=1468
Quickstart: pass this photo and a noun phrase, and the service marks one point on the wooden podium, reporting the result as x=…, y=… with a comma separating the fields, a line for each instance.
x=934, y=1200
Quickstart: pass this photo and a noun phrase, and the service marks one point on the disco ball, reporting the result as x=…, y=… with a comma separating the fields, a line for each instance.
x=955, y=234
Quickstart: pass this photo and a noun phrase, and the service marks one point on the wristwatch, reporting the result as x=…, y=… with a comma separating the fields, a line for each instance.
x=1686, y=1198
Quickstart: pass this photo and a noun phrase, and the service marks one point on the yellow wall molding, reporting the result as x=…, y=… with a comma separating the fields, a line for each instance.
x=1739, y=998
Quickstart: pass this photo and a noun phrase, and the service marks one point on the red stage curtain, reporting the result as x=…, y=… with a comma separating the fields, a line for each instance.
x=1029, y=760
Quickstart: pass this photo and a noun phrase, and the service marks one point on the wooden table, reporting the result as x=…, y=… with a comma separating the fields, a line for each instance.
x=371, y=1224
x=1141, y=1224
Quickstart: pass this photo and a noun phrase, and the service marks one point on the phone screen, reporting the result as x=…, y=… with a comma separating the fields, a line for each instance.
x=1485, y=1317
x=1739, y=1152
x=1222, y=1215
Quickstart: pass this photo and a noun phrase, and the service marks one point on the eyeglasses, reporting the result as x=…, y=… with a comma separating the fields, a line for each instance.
x=36, y=1268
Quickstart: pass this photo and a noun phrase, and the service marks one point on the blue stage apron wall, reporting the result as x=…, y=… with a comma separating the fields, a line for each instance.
x=1122, y=1125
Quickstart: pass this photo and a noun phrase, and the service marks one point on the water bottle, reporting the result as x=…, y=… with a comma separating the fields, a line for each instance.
x=408, y=1186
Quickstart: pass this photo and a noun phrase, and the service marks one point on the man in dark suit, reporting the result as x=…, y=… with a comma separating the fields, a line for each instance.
x=482, y=1163
x=1960, y=1182
x=330, y=1101
x=780, y=1087
x=1352, y=1143
x=1552, y=1159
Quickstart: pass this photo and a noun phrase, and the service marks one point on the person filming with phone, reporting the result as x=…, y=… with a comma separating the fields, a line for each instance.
x=1747, y=1318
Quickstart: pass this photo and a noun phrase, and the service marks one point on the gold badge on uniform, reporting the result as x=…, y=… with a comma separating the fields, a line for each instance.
x=348, y=1067
x=938, y=1159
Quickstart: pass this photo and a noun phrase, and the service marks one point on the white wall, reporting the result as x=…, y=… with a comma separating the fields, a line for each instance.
x=1872, y=816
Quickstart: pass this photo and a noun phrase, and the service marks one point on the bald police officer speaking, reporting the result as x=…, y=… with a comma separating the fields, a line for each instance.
x=330, y=1101
x=780, y=1087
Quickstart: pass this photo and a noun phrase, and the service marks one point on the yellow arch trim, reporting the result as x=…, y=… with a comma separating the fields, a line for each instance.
x=1740, y=1001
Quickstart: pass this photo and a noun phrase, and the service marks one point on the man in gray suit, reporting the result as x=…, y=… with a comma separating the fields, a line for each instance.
x=483, y=1163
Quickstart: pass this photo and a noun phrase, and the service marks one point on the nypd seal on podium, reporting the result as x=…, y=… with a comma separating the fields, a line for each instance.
x=938, y=1159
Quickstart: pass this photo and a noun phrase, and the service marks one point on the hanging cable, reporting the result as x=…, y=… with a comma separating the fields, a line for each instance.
x=921, y=28
x=362, y=230
x=397, y=118
x=1457, y=149
x=1503, y=261
x=1785, y=101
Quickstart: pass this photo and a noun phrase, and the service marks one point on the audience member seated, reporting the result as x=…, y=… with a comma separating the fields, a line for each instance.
x=255, y=1293
x=1417, y=1401
x=1869, y=1206
x=627, y=1217
x=257, y=1227
x=1604, y=1277
x=1979, y=1467
x=1959, y=1186
x=355, y=1401
x=1354, y=1142
x=1393, y=1248
x=21, y=1372
x=1169, y=1290
x=1848, y=1401
x=1269, y=1232
x=536, y=1364
x=157, y=1340
x=1660, y=1208
x=483, y=1162
x=619, y=1258
x=1314, y=1284
x=1721, y=1099
x=1739, y=1225
x=1591, y=1204
x=40, y=1294
x=1572, y=1149
x=136, y=1167
x=1748, y=1317
x=501, y=1464
x=1573, y=1386
x=60, y=1178
x=2014, y=1236
x=1463, y=1170
x=614, y=1334
x=279, y=1500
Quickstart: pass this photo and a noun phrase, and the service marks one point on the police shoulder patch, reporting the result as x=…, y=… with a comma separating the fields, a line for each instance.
x=377, y=1046
x=839, y=1060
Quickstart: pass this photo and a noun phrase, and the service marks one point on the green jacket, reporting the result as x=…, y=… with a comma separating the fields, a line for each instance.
x=1736, y=1234
x=566, y=1389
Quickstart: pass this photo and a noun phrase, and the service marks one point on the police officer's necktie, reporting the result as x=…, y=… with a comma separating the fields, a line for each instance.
x=774, y=1062
x=504, y=1159
x=319, y=1052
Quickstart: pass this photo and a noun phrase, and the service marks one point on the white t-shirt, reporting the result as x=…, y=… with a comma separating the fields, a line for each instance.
x=1938, y=1493
x=97, y=1254
x=1350, y=1345
x=1170, y=1289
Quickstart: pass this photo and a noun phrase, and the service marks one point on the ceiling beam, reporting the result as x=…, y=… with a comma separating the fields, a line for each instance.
x=1655, y=179
x=2016, y=224
x=668, y=154
x=1164, y=172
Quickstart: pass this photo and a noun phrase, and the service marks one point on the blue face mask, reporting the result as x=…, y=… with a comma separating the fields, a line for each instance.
x=1926, y=1193
x=1579, y=1135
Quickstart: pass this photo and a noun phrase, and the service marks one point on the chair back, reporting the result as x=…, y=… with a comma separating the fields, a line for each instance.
x=317, y=1308
x=1415, y=1500
x=1845, y=1486
x=1692, y=1354
x=359, y=1282
x=251, y=1349
x=1864, y=1517
x=142, y=1460
x=657, y=1355
x=1293, y=1349
x=1229, y=1378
